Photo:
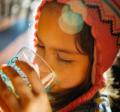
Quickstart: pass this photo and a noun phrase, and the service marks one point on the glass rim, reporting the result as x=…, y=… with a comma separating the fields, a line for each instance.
x=28, y=48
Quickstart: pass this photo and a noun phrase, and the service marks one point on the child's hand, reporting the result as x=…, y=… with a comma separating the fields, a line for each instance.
x=34, y=100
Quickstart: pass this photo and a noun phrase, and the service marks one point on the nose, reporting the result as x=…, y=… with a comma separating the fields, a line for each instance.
x=44, y=69
x=49, y=58
x=46, y=62
x=46, y=73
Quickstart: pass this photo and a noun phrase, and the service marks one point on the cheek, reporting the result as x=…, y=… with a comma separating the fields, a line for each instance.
x=69, y=77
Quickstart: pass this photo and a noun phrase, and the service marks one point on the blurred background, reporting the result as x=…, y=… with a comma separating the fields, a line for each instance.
x=16, y=26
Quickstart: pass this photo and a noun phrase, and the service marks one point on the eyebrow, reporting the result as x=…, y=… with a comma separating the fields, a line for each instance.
x=60, y=49
x=67, y=51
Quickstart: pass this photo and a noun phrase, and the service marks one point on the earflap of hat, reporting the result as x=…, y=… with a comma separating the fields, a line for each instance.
x=105, y=44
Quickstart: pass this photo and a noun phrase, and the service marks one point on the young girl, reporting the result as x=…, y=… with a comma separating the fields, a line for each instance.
x=72, y=37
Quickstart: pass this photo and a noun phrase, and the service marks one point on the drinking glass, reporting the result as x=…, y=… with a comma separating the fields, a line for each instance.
x=42, y=68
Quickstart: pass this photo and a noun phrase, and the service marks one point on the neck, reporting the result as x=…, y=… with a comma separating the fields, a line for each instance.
x=59, y=100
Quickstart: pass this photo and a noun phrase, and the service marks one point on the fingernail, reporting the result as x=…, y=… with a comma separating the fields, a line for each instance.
x=4, y=65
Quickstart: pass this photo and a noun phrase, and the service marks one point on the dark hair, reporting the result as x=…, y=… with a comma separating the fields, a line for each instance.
x=84, y=40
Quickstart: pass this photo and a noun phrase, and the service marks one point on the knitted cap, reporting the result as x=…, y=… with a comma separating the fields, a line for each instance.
x=104, y=18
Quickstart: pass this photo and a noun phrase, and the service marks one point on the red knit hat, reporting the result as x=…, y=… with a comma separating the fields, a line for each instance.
x=104, y=18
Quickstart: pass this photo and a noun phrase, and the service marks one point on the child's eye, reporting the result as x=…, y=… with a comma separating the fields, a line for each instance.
x=64, y=60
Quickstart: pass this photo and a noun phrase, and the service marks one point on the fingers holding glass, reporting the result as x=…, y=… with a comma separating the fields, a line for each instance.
x=35, y=83
x=11, y=102
x=22, y=90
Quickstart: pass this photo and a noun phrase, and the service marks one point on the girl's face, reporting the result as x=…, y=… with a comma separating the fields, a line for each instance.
x=58, y=49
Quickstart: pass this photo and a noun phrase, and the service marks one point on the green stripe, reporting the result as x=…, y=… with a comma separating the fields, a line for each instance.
x=112, y=7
